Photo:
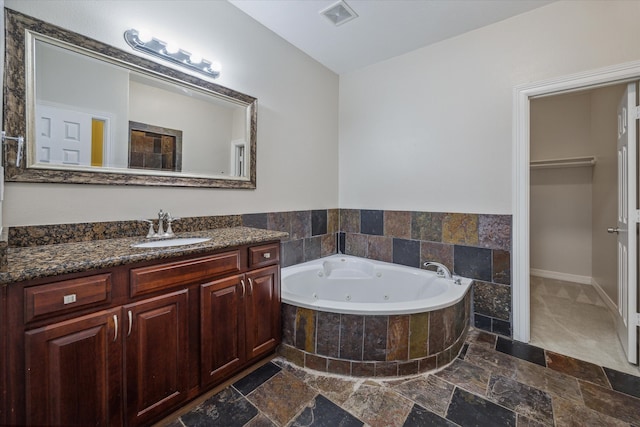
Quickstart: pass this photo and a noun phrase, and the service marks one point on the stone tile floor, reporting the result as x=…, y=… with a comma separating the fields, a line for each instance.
x=493, y=382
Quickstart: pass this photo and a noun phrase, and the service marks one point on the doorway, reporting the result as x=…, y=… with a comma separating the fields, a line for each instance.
x=573, y=200
x=521, y=178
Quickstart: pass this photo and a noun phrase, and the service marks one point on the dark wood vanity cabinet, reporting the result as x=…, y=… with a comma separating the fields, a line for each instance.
x=127, y=346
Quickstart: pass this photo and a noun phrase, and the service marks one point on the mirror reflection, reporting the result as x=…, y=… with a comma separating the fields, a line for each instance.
x=95, y=114
x=90, y=113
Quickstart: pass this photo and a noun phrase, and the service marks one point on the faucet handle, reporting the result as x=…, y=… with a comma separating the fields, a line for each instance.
x=151, y=232
x=170, y=219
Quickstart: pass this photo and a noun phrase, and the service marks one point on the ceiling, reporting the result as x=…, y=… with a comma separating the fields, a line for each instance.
x=383, y=28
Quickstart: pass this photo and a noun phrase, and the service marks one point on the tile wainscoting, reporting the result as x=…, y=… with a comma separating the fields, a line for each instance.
x=471, y=245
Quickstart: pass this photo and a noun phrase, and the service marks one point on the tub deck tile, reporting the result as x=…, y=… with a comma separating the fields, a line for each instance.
x=398, y=338
x=328, y=334
x=351, y=336
x=418, y=334
x=375, y=338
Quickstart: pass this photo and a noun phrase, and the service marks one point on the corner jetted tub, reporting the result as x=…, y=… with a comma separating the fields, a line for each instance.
x=353, y=316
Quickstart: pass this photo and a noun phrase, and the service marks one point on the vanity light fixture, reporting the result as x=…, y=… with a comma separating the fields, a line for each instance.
x=147, y=44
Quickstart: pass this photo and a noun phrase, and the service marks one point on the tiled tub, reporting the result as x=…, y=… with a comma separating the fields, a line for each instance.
x=357, y=337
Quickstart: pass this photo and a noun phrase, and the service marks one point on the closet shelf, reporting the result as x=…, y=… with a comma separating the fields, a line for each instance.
x=569, y=162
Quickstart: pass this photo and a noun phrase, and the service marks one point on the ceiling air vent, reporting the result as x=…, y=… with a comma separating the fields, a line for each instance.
x=339, y=13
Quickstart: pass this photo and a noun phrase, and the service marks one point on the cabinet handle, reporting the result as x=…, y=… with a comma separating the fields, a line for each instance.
x=130, y=321
x=266, y=255
x=244, y=289
x=115, y=324
x=250, y=286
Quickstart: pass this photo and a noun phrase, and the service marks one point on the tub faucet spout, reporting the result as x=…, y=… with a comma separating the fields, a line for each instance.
x=441, y=270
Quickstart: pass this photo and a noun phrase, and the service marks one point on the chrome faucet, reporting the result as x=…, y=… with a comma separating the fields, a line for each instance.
x=161, y=217
x=441, y=271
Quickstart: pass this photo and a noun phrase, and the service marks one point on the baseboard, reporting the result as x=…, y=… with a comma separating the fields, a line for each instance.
x=585, y=280
x=608, y=302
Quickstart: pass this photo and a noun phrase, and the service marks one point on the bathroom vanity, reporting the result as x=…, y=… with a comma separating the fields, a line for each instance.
x=135, y=333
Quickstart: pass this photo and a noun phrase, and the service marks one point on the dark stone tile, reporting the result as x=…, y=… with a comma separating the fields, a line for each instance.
x=324, y=413
x=306, y=329
x=292, y=354
x=282, y=397
x=356, y=244
x=397, y=224
x=522, y=351
x=226, y=409
x=501, y=267
x=428, y=364
x=288, y=324
x=398, y=338
x=501, y=327
x=372, y=222
x=426, y=226
x=576, y=368
x=482, y=322
x=494, y=231
x=380, y=248
x=410, y=367
x=474, y=263
x=292, y=252
x=341, y=242
x=257, y=220
x=350, y=220
x=256, y=378
x=492, y=300
x=429, y=391
x=317, y=363
x=279, y=221
x=610, y=402
x=340, y=367
x=553, y=382
x=333, y=221
x=300, y=224
x=571, y=413
x=351, y=336
x=463, y=352
x=460, y=229
x=466, y=375
x=328, y=244
x=406, y=252
x=386, y=369
x=420, y=417
x=468, y=409
x=363, y=369
x=312, y=248
x=521, y=398
x=622, y=382
x=444, y=358
x=438, y=252
x=375, y=338
x=328, y=334
x=318, y=222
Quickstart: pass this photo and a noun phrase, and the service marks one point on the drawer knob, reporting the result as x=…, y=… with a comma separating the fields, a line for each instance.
x=68, y=299
x=266, y=255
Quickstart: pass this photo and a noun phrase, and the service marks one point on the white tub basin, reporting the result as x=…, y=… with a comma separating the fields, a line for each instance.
x=171, y=242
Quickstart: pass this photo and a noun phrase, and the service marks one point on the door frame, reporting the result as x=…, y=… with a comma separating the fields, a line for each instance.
x=520, y=288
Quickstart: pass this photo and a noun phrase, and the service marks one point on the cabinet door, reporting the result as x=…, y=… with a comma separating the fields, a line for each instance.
x=73, y=372
x=222, y=328
x=156, y=351
x=263, y=311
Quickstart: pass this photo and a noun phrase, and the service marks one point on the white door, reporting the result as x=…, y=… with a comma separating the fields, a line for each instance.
x=62, y=136
x=626, y=228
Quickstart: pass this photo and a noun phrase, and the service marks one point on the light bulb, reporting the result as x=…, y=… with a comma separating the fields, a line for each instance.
x=171, y=48
x=195, y=58
x=144, y=36
x=216, y=67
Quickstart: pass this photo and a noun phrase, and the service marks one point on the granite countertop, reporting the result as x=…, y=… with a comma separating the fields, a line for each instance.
x=50, y=260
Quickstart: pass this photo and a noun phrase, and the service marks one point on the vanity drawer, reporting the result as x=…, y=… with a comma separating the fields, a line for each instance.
x=66, y=295
x=260, y=256
x=150, y=279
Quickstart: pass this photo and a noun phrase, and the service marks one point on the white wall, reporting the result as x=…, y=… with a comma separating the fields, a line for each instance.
x=297, y=115
x=561, y=199
x=431, y=130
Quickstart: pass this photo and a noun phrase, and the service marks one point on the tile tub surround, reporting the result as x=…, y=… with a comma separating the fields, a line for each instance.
x=374, y=345
x=471, y=245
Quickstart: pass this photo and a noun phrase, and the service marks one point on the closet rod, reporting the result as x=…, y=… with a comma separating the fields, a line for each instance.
x=570, y=162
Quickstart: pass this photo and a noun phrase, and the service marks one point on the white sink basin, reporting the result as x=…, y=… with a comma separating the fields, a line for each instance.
x=171, y=242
